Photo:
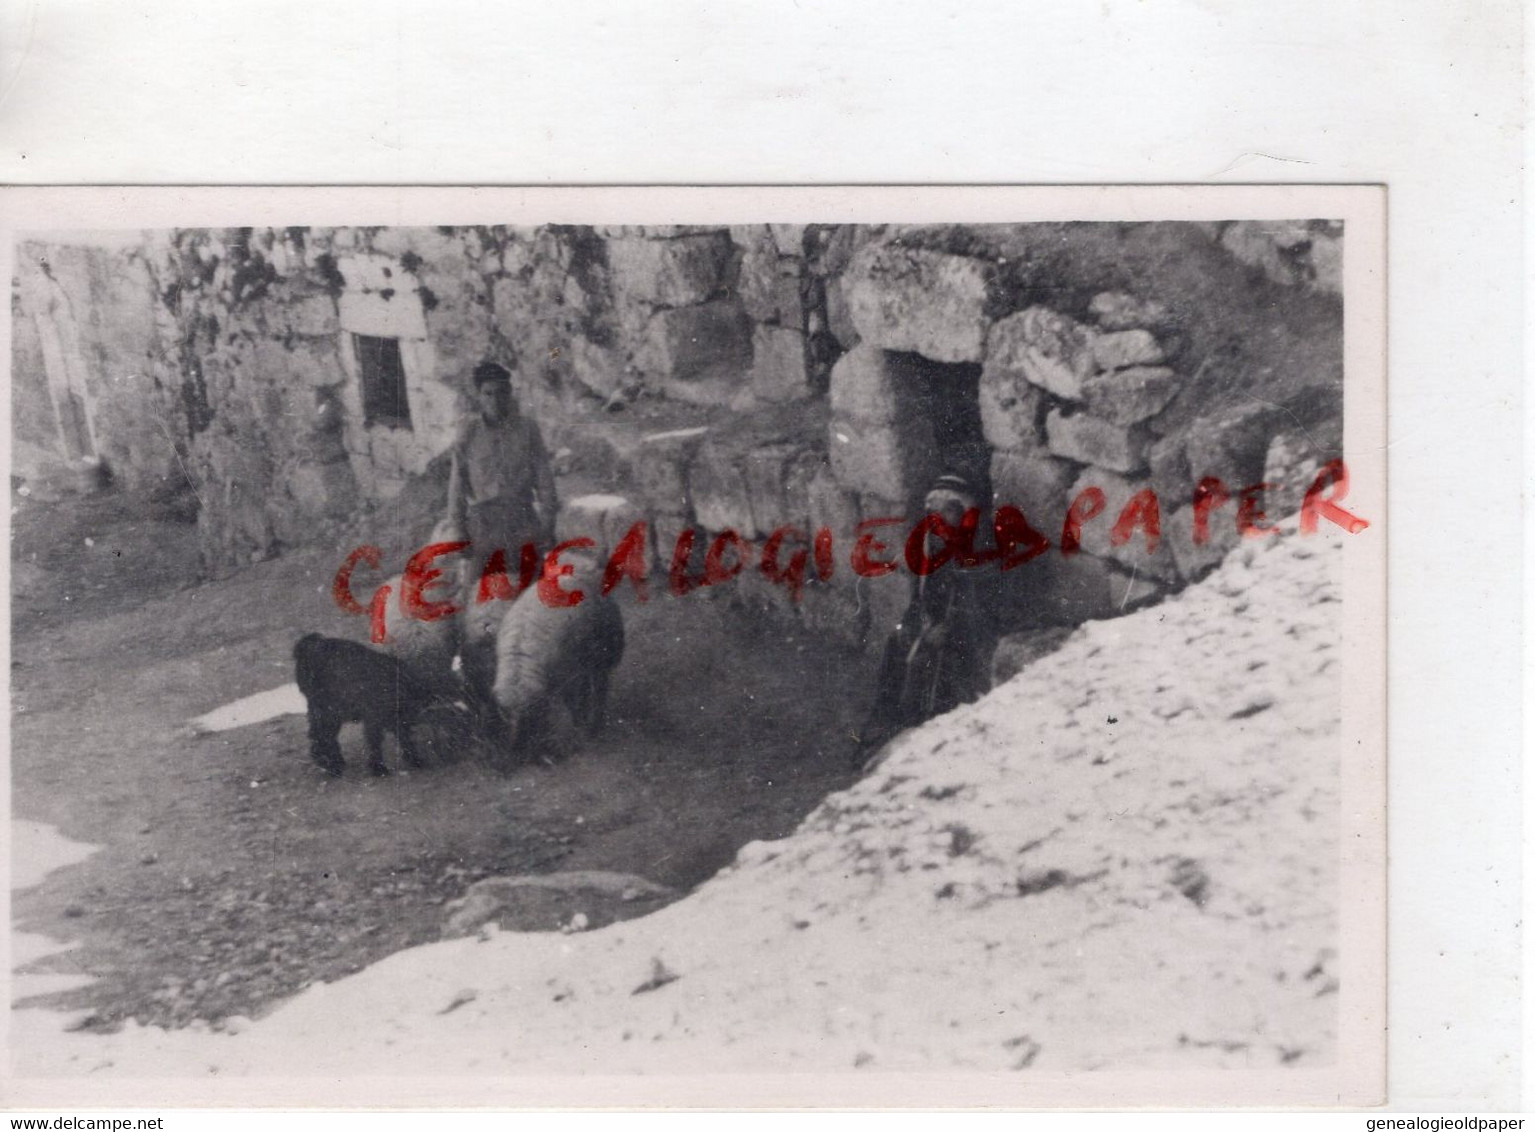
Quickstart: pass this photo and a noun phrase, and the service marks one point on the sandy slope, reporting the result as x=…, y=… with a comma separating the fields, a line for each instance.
x=1125, y=857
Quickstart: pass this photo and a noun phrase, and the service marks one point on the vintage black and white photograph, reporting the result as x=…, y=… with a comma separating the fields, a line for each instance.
x=557, y=643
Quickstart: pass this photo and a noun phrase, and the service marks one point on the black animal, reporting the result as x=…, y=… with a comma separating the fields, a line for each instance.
x=345, y=682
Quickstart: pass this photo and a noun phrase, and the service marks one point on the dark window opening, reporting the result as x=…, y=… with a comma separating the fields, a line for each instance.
x=947, y=395
x=383, y=381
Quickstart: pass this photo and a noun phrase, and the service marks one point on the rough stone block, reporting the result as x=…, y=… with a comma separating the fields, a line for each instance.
x=1124, y=348
x=1045, y=347
x=804, y=467
x=658, y=231
x=1036, y=484
x=374, y=313
x=1327, y=264
x=1280, y=248
x=756, y=275
x=745, y=235
x=1090, y=440
x=1011, y=407
x=893, y=461
x=788, y=238
x=591, y=451
x=1291, y=466
x=601, y=517
x=386, y=450
x=1232, y=444
x=839, y=320
x=673, y=272
x=322, y=490
x=665, y=527
x=1171, y=478
x=271, y=362
x=1116, y=310
x=660, y=468
x=831, y=249
x=731, y=391
x=1133, y=555
x=312, y=316
x=1195, y=561
x=720, y=491
x=930, y=303
x=868, y=389
x=693, y=343
x=380, y=298
x=789, y=300
x=1129, y=396
x=596, y=368
x=768, y=470
x=831, y=505
x=769, y=285
x=340, y=487
x=778, y=365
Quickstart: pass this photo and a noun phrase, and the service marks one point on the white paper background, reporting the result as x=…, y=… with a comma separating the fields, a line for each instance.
x=1423, y=96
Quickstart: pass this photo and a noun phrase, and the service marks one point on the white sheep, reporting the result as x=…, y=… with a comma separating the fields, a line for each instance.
x=550, y=653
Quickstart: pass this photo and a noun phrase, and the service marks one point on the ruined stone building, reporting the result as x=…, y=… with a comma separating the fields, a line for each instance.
x=300, y=380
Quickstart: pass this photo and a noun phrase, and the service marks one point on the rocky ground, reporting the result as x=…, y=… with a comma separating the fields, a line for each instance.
x=1125, y=857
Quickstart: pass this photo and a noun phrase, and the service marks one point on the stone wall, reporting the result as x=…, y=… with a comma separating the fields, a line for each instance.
x=91, y=378
x=1119, y=357
x=743, y=378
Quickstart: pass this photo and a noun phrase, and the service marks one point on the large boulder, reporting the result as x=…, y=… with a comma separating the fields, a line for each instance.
x=1293, y=461
x=769, y=284
x=1134, y=554
x=1091, y=440
x=1123, y=348
x=1052, y=350
x=676, y=272
x=660, y=468
x=1011, y=405
x=696, y=343
x=1036, y=484
x=720, y=492
x=1195, y=560
x=926, y=302
x=778, y=365
x=1118, y=310
x=881, y=442
x=1232, y=444
x=603, y=518
x=1129, y=396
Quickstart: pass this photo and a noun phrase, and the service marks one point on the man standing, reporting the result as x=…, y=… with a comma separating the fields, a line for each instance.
x=500, y=495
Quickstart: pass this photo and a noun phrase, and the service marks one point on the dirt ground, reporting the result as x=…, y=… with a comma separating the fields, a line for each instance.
x=234, y=874
x=1119, y=870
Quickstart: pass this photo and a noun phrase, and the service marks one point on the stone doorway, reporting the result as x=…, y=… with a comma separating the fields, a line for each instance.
x=945, y=397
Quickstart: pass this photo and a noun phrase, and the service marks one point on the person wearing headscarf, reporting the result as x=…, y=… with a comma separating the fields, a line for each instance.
x=935, y=658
